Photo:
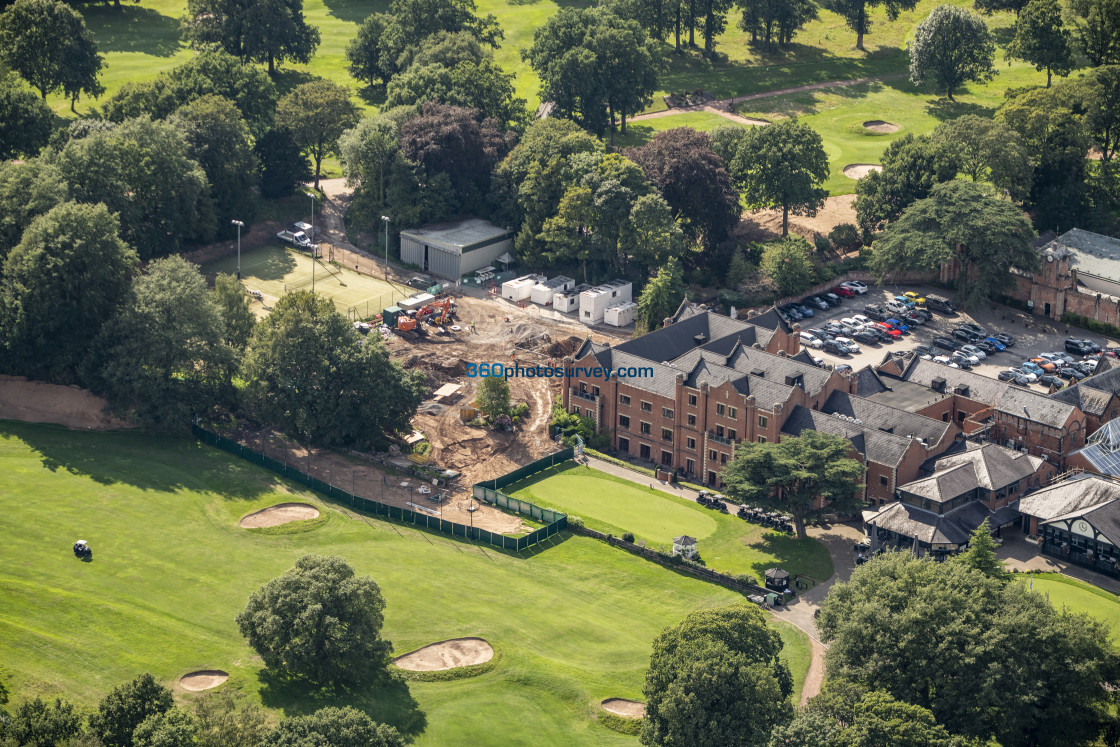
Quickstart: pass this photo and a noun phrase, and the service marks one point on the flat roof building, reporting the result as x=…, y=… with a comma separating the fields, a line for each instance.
x=452, y=250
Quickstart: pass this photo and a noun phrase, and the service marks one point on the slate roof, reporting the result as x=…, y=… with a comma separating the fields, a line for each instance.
x=886, y=418
x=943, y=485
x=1091, y=253
x=868, y=382
x=1092, y=394
x=994, y=466
x=953, y=528
x=1075, y=493
x=1104, y=517
x=874, y=445
x=684, y=539
x=718, y=333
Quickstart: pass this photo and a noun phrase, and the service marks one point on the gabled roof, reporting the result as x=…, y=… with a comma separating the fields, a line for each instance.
x=953, y=528
x=874, y=445
x=1104, y=517
x=684, y=539
x=886, y=418
x=868, y=382
x=943, y=485
x=994, y=466
x=1094, y=393
x=1076, y=493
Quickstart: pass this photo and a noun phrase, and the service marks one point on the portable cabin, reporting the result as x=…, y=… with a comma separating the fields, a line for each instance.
x=519, y=289
x=568, y=301
x=593, y=303
x=544, y=291
x=621, y=315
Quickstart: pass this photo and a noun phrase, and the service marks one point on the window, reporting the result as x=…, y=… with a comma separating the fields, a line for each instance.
x=590, y=413
x=732, y=412
x=883, y=480
x=719, y=431
x=647, y=407
x=692, y=420
x=762, y=421
x=723, y=459
x=666, y=434
x=732, y=435
x=623, y=421
x=666, y=413
x=691, y=443
x=645, y=429
x=595, y=390
x=624, y=445
x=624, y=399
x=720, y=409
x=692, y=400
x=945, y=417
x=690, y=467
x=1013, y=489
x=762, y=439
x=643, y=451
x=712, y=455
x=667, y=458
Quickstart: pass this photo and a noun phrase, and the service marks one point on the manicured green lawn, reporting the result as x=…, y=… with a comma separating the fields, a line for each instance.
x=726, y=542
x=572, y=624
x=643, y=131
x=1080, y=597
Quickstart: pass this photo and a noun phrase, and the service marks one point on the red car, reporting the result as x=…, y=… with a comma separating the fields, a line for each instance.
x=843, y=292
x=888, y=329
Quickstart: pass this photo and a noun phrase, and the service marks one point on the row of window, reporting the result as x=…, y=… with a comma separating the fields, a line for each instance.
x=667, y=413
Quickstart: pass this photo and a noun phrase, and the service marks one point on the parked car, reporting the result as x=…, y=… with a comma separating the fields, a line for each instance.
x=904, y=328
x=925, y=351
x=832, y=298
x=974, y=351
x=966, y=335
x=834, y=347
x=843, y=368
x=974, y=327
x=940, y=303
x=821, y=333
x=962, y=357
x=996, y=343
x=855, y=285
x=843, y=292
x=866, y=336
x=849, y=343
x=875, y=312
x=1071, y=373
x=1051, y=380
x=852, y=322
x=1044, y=364
x=879, y=332
x=924, y=314
x=904, y=301
x=944, y=343
x=790, y=312
x=987, y=347
x=839, y=327
x=817, y=303
x=894, y=333
x=916, y=298
x=862, y=319
x=895, y=307
x=1013, y=375
x=1053, y=358
x=810, y=340
x=1034, y=369
x=913, y=319
x=1081, y=347
x=946, y=361
x=1007, y=340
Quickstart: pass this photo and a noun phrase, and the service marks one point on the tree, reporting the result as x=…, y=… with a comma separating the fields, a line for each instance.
x=218, y=139
x=47, y=42
x=226, y=718
x=985, y=149
x=875, y=718
x=786, y=264
x=988, y=7
x=27, y=190
x=981, y=553
x=316, y=114
x=25, y=121
x=282, y=165
x=233, y=303
x=739, y=269
x=1098, y=29
x=272, y=31
x=775, y=18
x=493, y=396
x=951, y=47
x=1041, y=40
x=650, y=237
x=337, y=727
x=911, y=167
x=855, y=13
x=1102, y=102
x=367, y=152
x=320, y=622
x=943, y=636
x=809, y=729
x=805, y=476
x=308, y=371
x=660, y=298
x=716, y=679
x=483, y=86
x=125, y=707
x=694, y=181
x=364, y=56
x=782, y=166
x=35, y=722
x=173, y=728
x=410, y=23
x=143, y=171
x=64, y=280
x=984, y=233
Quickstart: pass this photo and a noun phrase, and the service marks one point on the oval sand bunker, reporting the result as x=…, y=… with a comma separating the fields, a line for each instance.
x=880, y=127
x=860, y=170
x=457, y=652
x=203, y=680
x=282, y=513
x=623, y=707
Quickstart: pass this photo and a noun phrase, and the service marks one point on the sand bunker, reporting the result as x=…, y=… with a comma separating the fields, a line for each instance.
x=860, y=170
x=282, y=513
x=457, y=652
x=626, y=708
x=203, y=680
x=880, y=127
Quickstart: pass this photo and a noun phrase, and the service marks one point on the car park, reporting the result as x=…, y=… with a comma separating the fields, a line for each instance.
x=850, y=344
x=866, y=336
x=1051, y=380
x=946, y=361
x=817, y=303
x=974, y=351
x=944, y=343
x=1033, y=369
x=925, y=351
x=808, y=339
x=995, y=342
x=915, y=298
x=855, y=285
x=834, y=347
x=1081, y=347
x=832, y=298
x=843, y=292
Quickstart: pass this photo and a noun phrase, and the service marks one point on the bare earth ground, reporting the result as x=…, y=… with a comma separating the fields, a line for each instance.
x=282, y=513
x=204, y=680
x=457, y=652
x=880, y=127
x=39, y=402
x=815, y=676
x=623, y=707
x=767, y=224
x=860, y=170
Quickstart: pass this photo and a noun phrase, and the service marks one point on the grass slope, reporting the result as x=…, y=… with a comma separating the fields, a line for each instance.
x=171, y=569
x=727, y=543
x=1080, y=597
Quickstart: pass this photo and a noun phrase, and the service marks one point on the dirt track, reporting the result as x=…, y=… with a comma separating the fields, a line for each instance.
x=39, y=402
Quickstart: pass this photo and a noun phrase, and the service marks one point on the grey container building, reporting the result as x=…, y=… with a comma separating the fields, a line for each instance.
x=452, y=250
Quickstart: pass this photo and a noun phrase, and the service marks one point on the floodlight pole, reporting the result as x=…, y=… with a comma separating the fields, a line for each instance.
x=312, y=196
x=385, y=218
x=239, y=225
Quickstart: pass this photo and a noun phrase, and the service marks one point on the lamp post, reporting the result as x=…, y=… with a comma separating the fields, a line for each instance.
x=239, y=225
x=312, y=237
x=385, y=218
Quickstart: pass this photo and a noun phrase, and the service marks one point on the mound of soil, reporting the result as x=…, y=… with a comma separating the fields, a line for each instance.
x=457, y=652
x=624, y=708
x=880, y=127
x=860, y=170
x=205, y=679
x=39, y=402
x=564, y=347
x=282, y=513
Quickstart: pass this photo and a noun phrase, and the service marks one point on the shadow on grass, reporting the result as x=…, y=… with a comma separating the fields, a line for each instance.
x=356, y=11
x=134, y=29
x=270, y=263
x=808, y=555
x=944, y=109
x=374, y=94
x=288, y=79
x=386, y=700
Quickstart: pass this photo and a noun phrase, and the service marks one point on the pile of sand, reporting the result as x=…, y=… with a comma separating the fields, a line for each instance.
x=624, y=708
x=564, y=347
x=860, y=170
x=281, y=513
x=457, y=652
x=880, y=127
x=203, y=680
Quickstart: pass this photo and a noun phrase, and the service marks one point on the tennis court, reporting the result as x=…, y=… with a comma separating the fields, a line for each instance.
x=275, y=270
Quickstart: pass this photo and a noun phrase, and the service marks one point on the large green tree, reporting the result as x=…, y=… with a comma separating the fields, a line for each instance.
x=272, y=31
x=227, y=718
x=47, y=42
x=493, y=396
x=479, y=85
x=786, y=264
x=64, y=280
x=1098, y=29
x=126, y=707
x=316, y=114
x=25, y=120
x=1101, y=90
x=805, y=476
x=911, y=167
x=366, y=61
x=409, y=25
x=1042, y=40
x=985, y=234
x=41, y=724
x=308, y=371
x=660, y=298
x=716, y=679
x=237, y=316
x=783, y=165
x=163, y=359
x=985, y=149
x=283, y=166
x=336, y=727
x=951, y=47
x=319, y=621
x=27, y=190
x=367, y=153
x=174, y=728
x=989, y=660
x=856, y=13
x=775, y=20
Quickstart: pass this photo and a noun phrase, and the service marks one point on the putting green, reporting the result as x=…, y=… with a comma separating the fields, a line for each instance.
x=1080, y=597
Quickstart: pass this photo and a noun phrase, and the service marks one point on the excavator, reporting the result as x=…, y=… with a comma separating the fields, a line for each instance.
x=437, y=312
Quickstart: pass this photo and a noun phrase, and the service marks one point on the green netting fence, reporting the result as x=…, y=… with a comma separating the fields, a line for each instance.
x=555, y=521
x=529, y=469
